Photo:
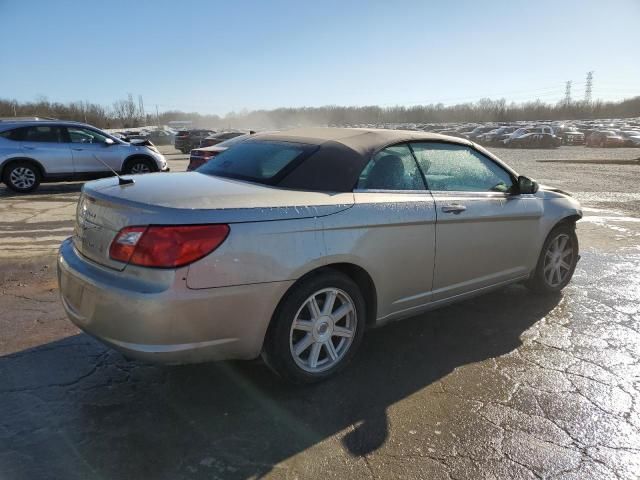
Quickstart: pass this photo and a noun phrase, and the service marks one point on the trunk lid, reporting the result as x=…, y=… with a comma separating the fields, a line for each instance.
x=105, y=207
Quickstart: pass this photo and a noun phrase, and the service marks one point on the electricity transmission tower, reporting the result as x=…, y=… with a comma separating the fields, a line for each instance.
x=589, y=88
x=567, y=93
x=141, y=109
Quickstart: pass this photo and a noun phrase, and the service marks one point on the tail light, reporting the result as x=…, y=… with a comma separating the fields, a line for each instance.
x=199, y=157
x=167, y=246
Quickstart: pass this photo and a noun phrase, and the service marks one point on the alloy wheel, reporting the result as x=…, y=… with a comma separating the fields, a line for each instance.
x=22, y=178
x=558, y=260
x=140, y=167
x=323, y=330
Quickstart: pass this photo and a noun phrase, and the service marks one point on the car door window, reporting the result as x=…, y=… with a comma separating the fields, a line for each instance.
x=393, y=168
x=449, y=167
x=42, y=133
x=85, y=135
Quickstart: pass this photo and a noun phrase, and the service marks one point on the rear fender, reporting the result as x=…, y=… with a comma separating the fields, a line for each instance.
x=43, y=171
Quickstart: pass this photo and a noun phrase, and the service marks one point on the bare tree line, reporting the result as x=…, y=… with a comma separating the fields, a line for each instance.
x=125, y=113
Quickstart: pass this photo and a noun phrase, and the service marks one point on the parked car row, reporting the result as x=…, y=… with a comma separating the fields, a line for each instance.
x=187, y=140
x=156, y=136
x=543, y=134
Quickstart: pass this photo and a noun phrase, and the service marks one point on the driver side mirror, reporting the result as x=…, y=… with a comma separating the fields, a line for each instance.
x=526, y=185
x=108, y=142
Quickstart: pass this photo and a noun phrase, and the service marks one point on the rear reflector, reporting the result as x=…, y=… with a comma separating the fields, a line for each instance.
x=166, y=246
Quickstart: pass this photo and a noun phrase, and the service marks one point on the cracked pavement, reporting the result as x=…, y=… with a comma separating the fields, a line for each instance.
x=507, y=385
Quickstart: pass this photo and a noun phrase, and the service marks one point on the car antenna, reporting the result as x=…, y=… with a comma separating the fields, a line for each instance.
x=121, y=181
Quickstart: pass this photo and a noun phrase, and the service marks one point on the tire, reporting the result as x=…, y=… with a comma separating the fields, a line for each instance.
x=138, y=166
x=313, y=337
x=22, y=176
x=545, y=279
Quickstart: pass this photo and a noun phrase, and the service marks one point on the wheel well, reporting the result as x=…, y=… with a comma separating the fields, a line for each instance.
x=30, y=160
x=571, y=220
x=364, y=281
x=139, y=156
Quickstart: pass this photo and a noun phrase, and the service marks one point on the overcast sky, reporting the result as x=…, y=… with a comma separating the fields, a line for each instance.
x=218, y=56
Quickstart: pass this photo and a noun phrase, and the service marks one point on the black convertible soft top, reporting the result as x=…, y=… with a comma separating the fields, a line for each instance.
x=344, y=152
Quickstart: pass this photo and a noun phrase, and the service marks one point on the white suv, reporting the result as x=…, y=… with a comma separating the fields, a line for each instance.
x=37, y=150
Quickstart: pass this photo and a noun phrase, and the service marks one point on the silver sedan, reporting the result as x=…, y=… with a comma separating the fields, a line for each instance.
x=291, y=245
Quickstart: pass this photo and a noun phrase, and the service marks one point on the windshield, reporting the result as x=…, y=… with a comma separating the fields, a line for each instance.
x=261, y=162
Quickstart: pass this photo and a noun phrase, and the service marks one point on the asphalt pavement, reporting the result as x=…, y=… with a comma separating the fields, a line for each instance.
x=507, y=385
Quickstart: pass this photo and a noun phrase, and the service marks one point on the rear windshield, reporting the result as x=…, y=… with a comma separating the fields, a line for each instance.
x=261, y=162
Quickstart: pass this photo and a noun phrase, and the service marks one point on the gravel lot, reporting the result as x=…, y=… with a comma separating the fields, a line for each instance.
x=508, y=385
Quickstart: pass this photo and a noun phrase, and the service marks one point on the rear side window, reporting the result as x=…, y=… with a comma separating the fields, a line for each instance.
x=11, y=134
x=44, y=133
x=261, y=162
x=39, y=133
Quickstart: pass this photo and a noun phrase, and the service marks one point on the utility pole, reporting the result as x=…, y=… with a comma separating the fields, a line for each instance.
x=589, y=88
x=157, y=117
x=567, y=93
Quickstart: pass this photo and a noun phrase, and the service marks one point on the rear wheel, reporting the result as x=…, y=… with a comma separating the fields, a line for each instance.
x=21, y=176
x=557, y=261
x=317, y=328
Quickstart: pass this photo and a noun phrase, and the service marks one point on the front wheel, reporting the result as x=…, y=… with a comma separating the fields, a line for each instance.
x=316, y=329
x=138, y=165
x=557, y=261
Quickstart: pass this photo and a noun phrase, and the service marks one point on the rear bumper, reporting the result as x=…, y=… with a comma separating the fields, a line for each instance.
x=165, y=323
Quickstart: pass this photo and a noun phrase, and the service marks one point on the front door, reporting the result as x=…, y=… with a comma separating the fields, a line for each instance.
x=484, y=233
x=86, y=144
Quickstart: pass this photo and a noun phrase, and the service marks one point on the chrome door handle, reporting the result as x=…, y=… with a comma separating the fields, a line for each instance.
x=454, y=209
